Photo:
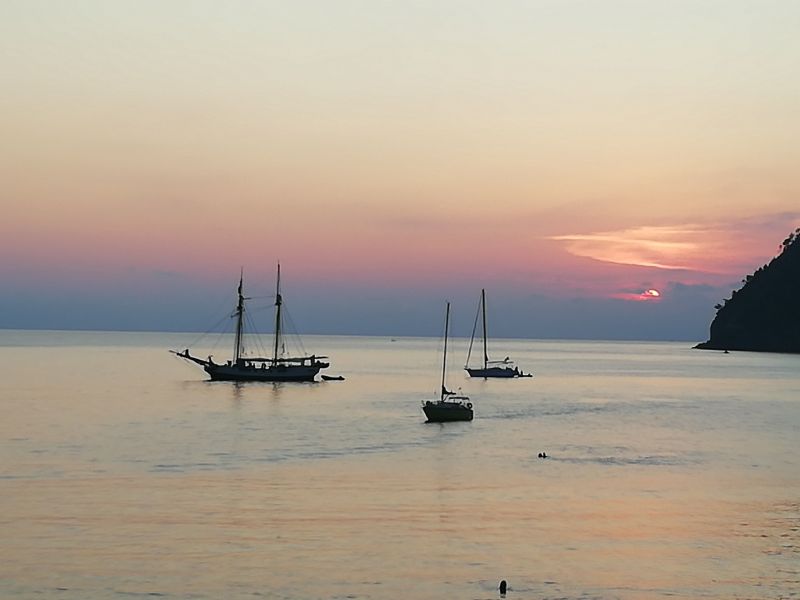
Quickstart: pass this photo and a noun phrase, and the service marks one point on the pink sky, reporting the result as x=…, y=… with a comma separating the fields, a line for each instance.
x=569, y=149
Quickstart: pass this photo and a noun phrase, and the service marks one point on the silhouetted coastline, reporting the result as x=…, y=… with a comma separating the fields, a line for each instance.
x=764, y=315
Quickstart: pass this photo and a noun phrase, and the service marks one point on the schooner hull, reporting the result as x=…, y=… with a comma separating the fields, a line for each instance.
x=250, y=368
x=279, y=373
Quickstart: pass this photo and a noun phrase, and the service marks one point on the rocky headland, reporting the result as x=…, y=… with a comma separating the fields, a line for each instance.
x=764, y=314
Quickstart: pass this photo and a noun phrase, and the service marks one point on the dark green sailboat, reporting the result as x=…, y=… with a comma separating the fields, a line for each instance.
x=450, y=406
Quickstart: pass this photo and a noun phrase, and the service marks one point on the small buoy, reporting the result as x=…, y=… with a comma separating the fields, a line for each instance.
x=503, y=586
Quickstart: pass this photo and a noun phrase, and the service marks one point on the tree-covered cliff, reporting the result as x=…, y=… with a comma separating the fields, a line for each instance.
x=764, y=315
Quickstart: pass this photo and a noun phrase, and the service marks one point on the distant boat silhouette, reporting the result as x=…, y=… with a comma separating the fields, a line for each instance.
x=450, y=406
x=247, y=368
x=491, y=368
x=332, y=378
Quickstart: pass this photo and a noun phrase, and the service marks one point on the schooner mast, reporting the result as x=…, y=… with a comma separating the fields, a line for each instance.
x=278, y=303
x=444, y=392
x=238, y=344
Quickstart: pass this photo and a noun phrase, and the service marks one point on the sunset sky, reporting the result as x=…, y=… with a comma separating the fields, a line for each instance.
x=568, y=156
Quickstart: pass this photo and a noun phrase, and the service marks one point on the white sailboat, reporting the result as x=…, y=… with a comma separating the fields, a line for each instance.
x=491, y=368
x=450, y=406
x=248, y=368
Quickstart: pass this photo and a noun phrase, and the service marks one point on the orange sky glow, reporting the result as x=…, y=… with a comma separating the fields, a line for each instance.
x=569, y=149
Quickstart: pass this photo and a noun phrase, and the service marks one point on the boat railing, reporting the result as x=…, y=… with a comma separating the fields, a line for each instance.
x=505, y=362
x=287, y=359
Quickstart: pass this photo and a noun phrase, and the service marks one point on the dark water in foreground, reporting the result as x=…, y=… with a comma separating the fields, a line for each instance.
x=673, y=474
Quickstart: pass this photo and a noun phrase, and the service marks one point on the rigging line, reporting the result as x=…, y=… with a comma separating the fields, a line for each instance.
x=440, y=347
x=206, y=333
x=259, y=343
x=214, y=327
x=443, y=391
x=261, y=349
x=282, y=353
x=255, y=336
x=248, y=326
x=217, y=342
x=294, y=331
x=474, y=329
x=225, y=332
x=222, y=303
x=261, y=308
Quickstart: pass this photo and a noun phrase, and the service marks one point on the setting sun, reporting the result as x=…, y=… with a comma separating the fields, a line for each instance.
x=648, y=295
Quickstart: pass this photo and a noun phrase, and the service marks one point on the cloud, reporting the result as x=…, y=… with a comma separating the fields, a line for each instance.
x=647, y=295
x=660, y=247
x=724, y=247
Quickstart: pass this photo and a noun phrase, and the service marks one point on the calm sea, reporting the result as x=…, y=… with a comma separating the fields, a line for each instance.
x=673, y=473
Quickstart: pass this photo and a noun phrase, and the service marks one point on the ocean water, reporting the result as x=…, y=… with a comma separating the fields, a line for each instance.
x=673, y=473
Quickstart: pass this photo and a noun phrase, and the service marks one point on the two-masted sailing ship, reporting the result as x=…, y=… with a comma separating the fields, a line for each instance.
x=243, y=367
x=450, y=406
x=491, y=368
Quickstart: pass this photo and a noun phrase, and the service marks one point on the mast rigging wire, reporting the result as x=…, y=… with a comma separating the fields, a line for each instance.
x=474, y=329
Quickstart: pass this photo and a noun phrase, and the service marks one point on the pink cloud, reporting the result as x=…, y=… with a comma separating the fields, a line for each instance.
x=721, y=248
x=648, y=295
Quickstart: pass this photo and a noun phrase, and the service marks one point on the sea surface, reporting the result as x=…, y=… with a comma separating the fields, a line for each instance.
x=672, y=473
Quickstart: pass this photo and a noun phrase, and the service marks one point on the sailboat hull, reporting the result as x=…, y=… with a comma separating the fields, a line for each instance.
x=496, y=372
x=502, y=369
x=445, y=412
x=271, y=373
